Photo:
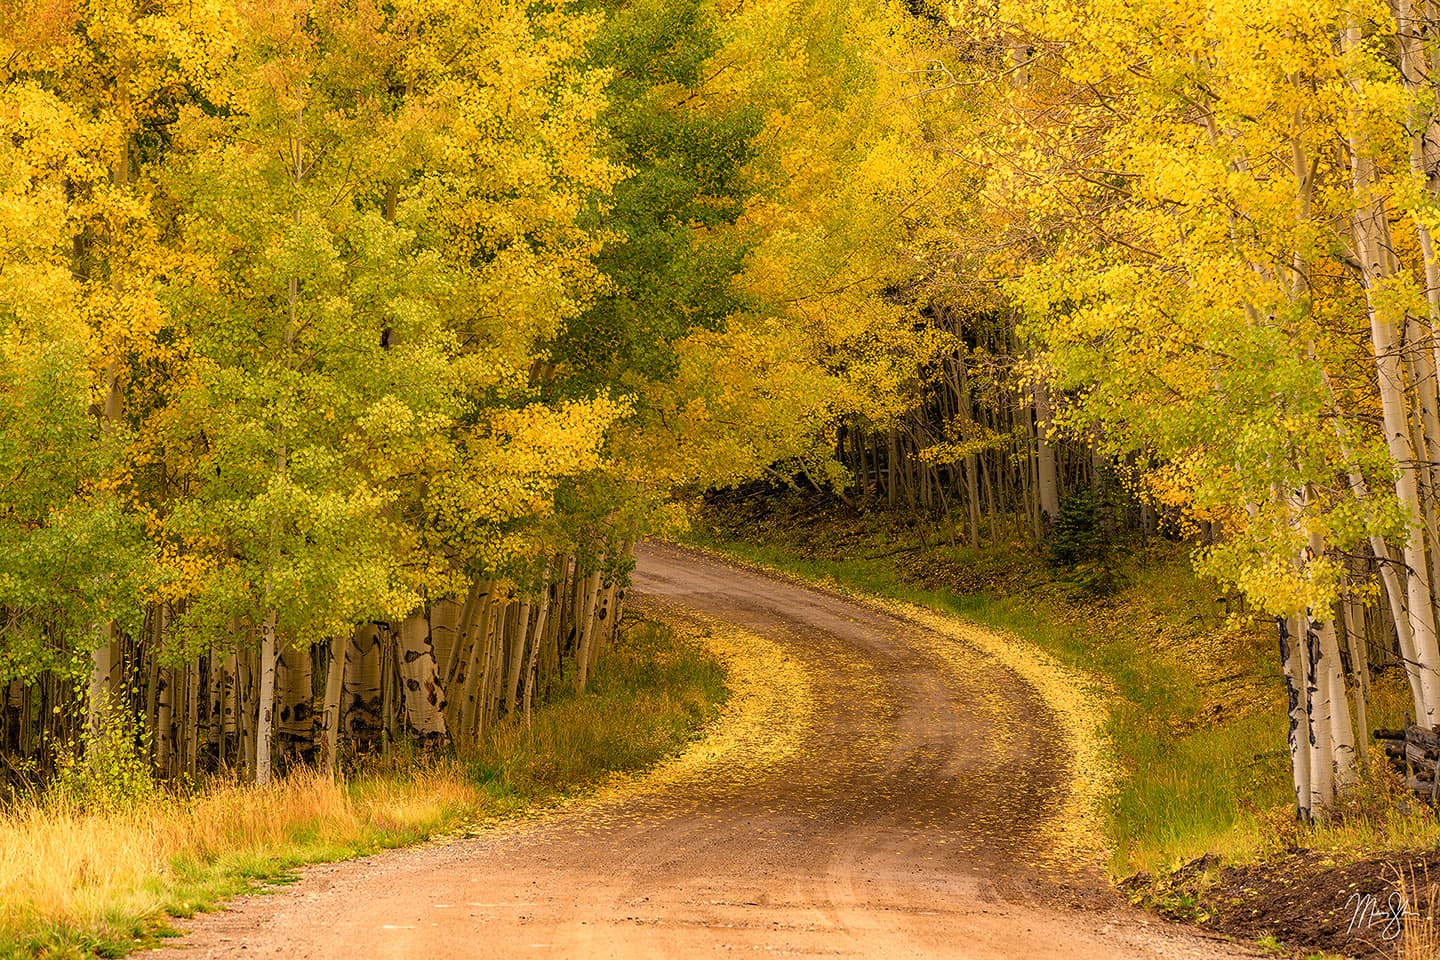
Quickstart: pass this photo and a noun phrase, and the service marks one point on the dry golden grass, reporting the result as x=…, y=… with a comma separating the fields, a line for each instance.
x=68, y=875
x=1419, y=937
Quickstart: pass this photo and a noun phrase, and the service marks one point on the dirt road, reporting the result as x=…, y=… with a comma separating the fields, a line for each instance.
x=889, y=807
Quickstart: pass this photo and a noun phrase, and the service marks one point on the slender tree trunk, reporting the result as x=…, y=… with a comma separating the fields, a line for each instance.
x=475, y=674
x=443, y=616
x=585, y=623
x=1372, y=243
x=1336, y=744
x=265, y=703
x=516, y=660
x=195, y=716
x=104, y=667
x=1293, y=667
x=389, y=698
x=214, y=707
x=1360, y=667
x=164, y=721
x=459, y=685
x=330, y=710
x=540, y=625
x=248, y=711
x=1395, y=592
x=295, y=703
x=364, y=723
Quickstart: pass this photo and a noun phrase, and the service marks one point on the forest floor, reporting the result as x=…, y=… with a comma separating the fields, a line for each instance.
x=1198, y=821
x=102, y=882
x=882, y=782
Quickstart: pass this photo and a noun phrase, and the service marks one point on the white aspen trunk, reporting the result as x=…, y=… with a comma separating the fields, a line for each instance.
x=1330, y=672
x=1372, y=243
x=149, y=666
x=1360, y=666
x=489, y=667
x=330, y=711
x=214, y=703
x=1395, y=591
x=265, y=701
x=247, y=712
x=509, y=636
x=603, y=627
x=585, y=622
x=164, y=721
x=530, y=669
x=1417, y=72
x=463, y=658
x=1342, y=730
x=1321, y=732
x=419, y=673
x=1418, y=602
x=389, y=696
x=1333, y=766
x=561, y=615
x=474, y=674
x=294, y=698
x=1425, y=420
x=516, y=659
x=1293, y=666
x=196, y=712
x=444, y=621
x=104, y=665
x=455, y=656
x=360, y=684
x=229, y=708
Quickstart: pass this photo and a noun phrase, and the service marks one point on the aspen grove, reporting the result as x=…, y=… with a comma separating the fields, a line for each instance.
x=1201, y=236
x=348, y=348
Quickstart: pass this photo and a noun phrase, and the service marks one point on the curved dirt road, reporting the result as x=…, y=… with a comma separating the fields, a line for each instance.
x=905, y=818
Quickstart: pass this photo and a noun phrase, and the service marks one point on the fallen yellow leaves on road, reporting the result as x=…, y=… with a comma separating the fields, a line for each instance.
x=763, y=721
x=1076, y=830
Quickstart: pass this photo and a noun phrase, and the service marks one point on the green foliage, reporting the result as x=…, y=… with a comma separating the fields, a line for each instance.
x=668, y=268
x=1079, y=535
x=1082, y=545
x=108, y=770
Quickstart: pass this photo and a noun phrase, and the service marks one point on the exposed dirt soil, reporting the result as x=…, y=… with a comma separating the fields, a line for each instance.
x=1304, y=899
x=902, y=810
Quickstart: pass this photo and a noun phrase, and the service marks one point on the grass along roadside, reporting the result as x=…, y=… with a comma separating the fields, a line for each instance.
x=1195, y=709
x=79, y=884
